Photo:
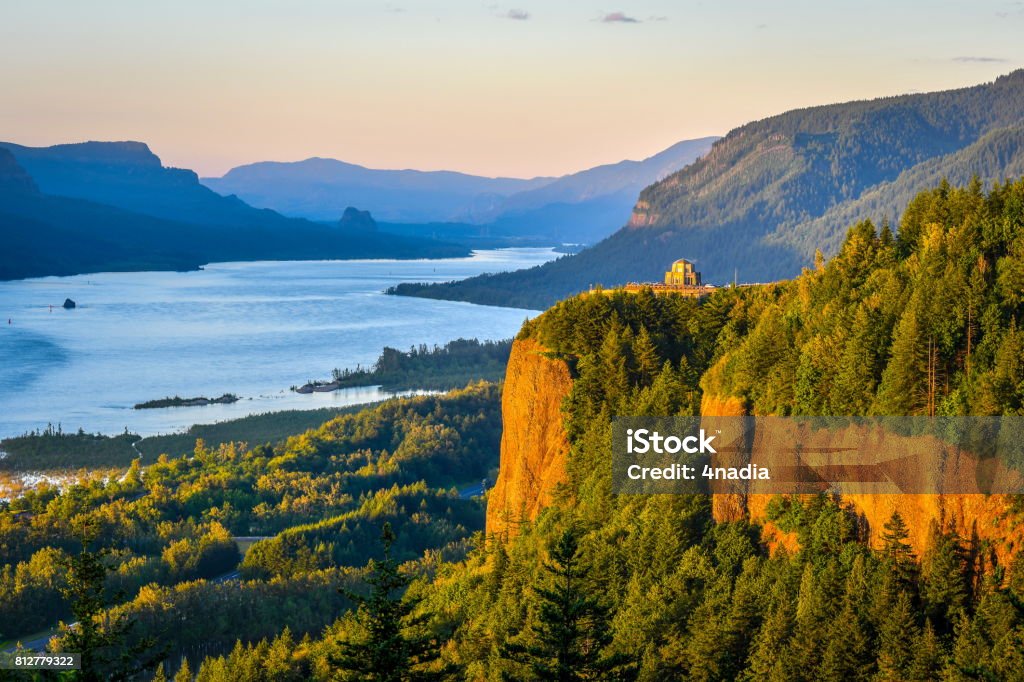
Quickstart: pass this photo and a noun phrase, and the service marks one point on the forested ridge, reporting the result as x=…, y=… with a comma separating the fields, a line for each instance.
x=318, y=498
x=661, y=591
x=917, y=318
x=456, y=363
x=773, y=191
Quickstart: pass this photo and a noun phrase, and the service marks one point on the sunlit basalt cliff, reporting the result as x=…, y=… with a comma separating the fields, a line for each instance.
x=535, y=452
x=922, y=321
x=534, y=447
x=982, y=519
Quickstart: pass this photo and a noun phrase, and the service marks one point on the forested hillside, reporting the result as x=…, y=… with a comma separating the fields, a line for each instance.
x=663, y=591
x=918, y=319
x=773, y=191
x=167, y=530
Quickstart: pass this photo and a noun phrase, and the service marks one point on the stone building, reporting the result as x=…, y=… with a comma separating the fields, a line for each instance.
x=682, y=274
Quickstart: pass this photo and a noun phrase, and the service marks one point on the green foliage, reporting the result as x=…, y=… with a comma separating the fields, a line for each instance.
x=883, y=327
x=53, y=449
x=572, y=629
x=388, y=644
x=774, y=191
x=920, y=322
x=317, y=501
x=452, y=365
x=102, y=642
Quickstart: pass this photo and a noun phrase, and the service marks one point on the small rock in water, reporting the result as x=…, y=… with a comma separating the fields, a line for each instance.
x=69, y=304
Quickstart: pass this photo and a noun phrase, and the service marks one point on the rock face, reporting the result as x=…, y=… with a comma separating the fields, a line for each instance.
x=534, y=446
x=535, y=449
x=354, y=219
x=974, y=517
x=13, y=178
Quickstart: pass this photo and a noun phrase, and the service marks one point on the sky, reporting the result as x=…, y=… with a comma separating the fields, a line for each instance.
x=523, y=89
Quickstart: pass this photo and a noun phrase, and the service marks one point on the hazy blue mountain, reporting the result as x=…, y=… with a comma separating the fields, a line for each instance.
x=129, y=176
x=773, y=190
x=321, y=189
x=582, y=207
x=613, y=179
x=110, y=206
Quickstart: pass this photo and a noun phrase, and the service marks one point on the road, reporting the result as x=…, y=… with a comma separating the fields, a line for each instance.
x=227, y=577
x=37, y=643
x=471, y=491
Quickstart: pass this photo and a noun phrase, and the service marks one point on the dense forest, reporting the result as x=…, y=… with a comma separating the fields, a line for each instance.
x=600, y=587
x=773, y=191
x=920, y=320
x=439, y=368
x=313, y=504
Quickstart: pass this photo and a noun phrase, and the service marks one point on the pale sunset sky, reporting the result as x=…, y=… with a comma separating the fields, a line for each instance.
x=522, y=89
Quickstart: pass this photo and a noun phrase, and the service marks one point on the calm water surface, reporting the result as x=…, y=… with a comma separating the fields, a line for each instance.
x=253, y=329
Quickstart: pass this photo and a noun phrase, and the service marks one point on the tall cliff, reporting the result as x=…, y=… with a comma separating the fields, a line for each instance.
x=535, y=450
x=982, y=519
x=922, y=322
x=534, y=446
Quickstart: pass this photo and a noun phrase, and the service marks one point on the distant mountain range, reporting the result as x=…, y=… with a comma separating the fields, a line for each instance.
x=113, y=206
x=772, y=191
x=581, y=207
x=321, y=189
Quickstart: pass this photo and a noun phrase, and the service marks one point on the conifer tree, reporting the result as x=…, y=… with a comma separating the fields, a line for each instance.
x=391, y=646
x=101, y=638
x=928, y=655
x=903, y=389
x=897, y=550
x=769, y=650
x=573, y=630
x=645, y=356
x=944, y=590
x=847, y=654
x=898, y=637
x=184, y=673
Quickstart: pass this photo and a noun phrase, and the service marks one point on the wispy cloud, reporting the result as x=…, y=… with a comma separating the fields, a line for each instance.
x=619, y=18
x=1011, y=9
x=657, y=18
x=979, y=60
x=517, y=14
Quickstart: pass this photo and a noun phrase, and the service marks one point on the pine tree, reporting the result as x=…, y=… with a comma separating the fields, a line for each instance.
x=928, y=656
x=160, y=675
x=898, y=638
x=392, y=646
x=944, y=590
x=573, y=627
x=811, y=614
x=847, y=649
x=769, y=649
x=896, y=550
x=101, y=638
x=184, y=673
x=645, y=356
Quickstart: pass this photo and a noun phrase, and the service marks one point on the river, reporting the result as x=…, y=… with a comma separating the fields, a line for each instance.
x=252, y=329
